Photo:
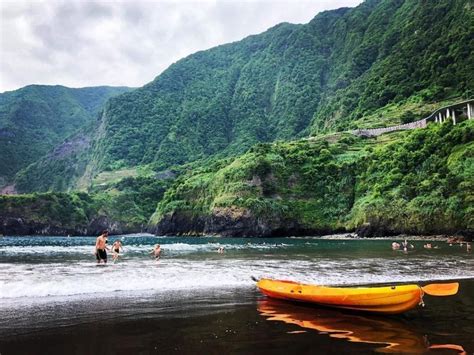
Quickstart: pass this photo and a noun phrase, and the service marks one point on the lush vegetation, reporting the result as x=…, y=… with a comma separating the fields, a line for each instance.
x=59, y=170
x=255, y=129
x=125, y=206
x=381, y=63
x=36, y=118
x=70, y=211
x=417, y=182
x=422, y=184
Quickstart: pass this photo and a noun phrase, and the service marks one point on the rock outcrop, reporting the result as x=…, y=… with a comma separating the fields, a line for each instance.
x=22, y=226
x=231, y=222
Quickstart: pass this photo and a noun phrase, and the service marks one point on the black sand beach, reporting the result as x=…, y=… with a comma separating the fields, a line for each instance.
x=234, y=321
x=54, y=300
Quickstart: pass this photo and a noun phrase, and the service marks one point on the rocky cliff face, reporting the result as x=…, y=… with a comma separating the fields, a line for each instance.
x=226, y=225
x=231, y=222
x=22, y=226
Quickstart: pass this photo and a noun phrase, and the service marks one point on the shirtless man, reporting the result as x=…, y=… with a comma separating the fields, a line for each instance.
x=101, y=247
x=156, y=251
x=116, y=249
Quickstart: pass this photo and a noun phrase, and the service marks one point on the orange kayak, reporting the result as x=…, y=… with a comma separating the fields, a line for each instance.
x=386, y=299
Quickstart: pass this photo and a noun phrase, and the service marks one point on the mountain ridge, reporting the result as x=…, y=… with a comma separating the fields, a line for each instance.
x=280, y=84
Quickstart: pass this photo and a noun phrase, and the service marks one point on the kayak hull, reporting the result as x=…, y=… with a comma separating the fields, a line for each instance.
x=384, y=300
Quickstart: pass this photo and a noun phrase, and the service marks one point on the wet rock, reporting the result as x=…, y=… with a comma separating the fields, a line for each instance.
x=369, y=230
x=22, y=226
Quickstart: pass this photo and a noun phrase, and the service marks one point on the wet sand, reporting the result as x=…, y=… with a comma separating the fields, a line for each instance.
x=239, y=321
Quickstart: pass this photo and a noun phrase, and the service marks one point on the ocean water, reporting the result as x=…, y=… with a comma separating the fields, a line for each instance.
x=51, y=284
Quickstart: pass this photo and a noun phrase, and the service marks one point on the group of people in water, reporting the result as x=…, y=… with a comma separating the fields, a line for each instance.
x=405, y=245
x=101, y=248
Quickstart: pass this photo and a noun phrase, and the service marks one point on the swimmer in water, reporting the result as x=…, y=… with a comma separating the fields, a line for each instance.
x=156, y=252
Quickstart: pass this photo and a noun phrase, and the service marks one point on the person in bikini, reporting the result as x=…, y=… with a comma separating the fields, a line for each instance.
x=101, y=247
x=116, y=247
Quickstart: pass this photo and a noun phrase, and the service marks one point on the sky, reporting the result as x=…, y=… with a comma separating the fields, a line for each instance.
x=80, y=43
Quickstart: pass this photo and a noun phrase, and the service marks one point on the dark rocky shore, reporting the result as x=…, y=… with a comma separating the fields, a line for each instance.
x=21, y=226
x=218, y=224
x=226, y=225
x=246, y=225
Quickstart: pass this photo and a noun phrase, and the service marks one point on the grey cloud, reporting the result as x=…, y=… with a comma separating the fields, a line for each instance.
x=96, y=10
x=135, y=15
x=92, y=42
x=62, y=28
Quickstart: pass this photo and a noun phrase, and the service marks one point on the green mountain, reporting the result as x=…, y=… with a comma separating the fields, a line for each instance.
x=381, y=63
x=123, y=207
x=254, y=135
x=36, y=118
x=293, y=81
x=61, y=168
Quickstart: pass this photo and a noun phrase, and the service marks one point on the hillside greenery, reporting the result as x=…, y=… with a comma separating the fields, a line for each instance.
x=404, y=182
x=414, y=182
x=60, y=169
x=125, y=206
x=36, y=118
x=67, y=210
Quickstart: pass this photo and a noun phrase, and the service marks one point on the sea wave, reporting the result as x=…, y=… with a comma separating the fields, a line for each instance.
x=30, y=281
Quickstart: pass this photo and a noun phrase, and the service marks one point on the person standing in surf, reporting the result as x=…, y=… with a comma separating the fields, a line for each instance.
x=156, y=252
x=116, y=247
x=101, y=247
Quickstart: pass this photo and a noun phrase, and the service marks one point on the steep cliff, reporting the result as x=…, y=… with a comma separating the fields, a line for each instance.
x=416, y=182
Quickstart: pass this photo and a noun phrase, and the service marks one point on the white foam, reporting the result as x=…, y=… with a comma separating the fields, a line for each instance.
x=60, y=279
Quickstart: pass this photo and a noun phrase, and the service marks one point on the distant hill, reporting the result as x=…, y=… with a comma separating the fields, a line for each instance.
x=34, y=119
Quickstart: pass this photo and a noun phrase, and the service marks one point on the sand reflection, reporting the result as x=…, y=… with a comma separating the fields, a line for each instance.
x=392, y=335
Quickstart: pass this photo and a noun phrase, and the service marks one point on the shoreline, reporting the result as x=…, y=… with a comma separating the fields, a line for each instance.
x=244, y=322
x=26, y=303
x=336, y=236
x=436, y=237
